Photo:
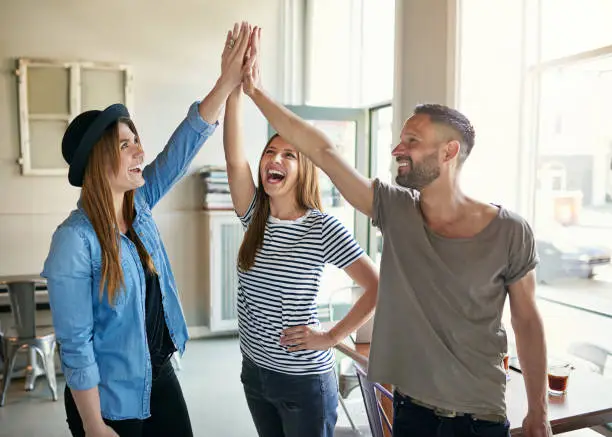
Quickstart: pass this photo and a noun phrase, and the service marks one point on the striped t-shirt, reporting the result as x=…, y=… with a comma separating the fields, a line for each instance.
x=280, y=290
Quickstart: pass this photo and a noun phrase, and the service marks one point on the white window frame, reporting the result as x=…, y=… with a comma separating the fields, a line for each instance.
x=356, y=56
x=531, y=112
x=75, y=68
x=293, y=28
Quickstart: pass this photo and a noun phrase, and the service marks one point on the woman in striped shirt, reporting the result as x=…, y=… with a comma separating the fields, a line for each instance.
x=287, y=372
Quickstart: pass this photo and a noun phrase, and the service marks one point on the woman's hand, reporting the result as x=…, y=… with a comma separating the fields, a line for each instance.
x=251, y=74
x=300, y=338
x=233, y=56
x=232, y=62
x=101, y=430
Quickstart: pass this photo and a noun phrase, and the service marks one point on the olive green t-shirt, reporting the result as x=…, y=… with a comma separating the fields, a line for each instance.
x=438, y=335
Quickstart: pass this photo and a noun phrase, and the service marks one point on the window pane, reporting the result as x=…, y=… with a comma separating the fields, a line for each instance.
x=350, y=52
x=45, y=143
x=571, y=151
x=382, y=142
x=378, y=51
x=102, y=88
x=571, y=26
x=343, y=135
x=48, y=90
x=573, y=216
x=382, y=138
x=331, y=73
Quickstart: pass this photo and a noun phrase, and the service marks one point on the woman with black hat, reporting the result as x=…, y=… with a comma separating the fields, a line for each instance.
x=116, y=311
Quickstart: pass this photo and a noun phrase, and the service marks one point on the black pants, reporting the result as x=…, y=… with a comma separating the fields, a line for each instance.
x=169, y=415
x=412, y=420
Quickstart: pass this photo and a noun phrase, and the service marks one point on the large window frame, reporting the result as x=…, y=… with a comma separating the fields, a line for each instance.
x=532, y=118
x=356, y=57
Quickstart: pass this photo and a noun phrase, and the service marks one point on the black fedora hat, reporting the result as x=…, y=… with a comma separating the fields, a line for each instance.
x=83, y=133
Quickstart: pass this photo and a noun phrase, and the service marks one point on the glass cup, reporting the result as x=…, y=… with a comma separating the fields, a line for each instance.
x=558, y=377
x=507, y=365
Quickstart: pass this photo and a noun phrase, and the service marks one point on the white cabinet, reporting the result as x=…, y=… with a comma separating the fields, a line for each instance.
x=222, y=235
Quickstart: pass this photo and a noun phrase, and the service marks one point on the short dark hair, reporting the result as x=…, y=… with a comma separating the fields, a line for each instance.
x=453, y=119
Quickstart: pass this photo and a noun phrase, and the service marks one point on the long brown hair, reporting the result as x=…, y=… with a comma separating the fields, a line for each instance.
x=97, y=201
x=307, y=197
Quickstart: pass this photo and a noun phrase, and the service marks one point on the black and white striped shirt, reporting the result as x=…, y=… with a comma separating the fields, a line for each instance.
x=280, y=290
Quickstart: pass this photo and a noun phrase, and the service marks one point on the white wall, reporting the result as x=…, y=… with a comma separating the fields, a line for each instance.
x=174, y=48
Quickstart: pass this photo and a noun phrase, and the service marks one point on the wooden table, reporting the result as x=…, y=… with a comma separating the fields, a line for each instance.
x=588, y=402
x=33, y=369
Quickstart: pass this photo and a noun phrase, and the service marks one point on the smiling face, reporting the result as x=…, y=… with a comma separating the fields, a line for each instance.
x=418, y=153
x=279, y=168
x=128, y=174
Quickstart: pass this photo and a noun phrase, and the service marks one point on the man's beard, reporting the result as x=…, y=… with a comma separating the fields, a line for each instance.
x=420, y=174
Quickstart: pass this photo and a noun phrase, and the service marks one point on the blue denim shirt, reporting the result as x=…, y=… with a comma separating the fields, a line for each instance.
x=106, y=345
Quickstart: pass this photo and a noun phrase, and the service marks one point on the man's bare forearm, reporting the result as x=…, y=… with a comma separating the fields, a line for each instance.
x=531, y=346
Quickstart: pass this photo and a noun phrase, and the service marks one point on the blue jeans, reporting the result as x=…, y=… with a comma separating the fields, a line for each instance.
x=290, y=405
x=411, y=420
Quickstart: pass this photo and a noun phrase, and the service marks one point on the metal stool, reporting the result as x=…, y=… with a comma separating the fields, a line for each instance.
x=38, y=339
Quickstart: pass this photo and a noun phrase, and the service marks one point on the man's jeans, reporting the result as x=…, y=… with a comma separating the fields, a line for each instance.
x=412, y=420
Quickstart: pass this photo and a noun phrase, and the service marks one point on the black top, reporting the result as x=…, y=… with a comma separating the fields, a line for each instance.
x=161, y=346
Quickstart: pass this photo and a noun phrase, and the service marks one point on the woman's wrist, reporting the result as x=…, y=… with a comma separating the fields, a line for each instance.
x=224, y=85
x=92, y=425
x=236, y=93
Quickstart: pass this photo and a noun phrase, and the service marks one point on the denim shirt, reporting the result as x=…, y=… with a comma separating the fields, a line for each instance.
x=106, y=345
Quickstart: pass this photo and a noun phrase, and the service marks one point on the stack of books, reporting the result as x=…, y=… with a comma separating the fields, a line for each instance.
x=216, y=188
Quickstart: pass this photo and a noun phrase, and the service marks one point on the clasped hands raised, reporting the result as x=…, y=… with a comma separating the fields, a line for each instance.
x=240, y=58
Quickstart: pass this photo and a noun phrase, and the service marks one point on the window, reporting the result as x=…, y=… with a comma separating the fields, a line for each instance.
x=51, y=94
x=349, y=46
x=544, y=146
